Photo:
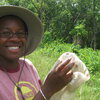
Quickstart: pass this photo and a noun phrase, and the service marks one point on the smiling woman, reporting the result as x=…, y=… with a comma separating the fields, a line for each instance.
x=20, y=33
x=19, y=78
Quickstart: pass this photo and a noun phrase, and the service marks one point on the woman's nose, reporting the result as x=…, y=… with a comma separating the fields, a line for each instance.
x=14, y=37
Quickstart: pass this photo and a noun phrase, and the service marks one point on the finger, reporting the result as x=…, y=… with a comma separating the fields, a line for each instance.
x=63, y=64
x=70, y=73
x=68, y=68
x=58, y=62
x=69, y=77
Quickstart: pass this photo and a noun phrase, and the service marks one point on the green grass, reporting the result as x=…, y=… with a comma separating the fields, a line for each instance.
x=87, y=92
x=42, y=62
x=45, y=56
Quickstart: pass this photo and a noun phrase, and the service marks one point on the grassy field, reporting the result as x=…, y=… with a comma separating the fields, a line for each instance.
x=44, y=58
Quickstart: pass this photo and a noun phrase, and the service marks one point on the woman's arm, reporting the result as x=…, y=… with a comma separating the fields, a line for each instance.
x=56, y=80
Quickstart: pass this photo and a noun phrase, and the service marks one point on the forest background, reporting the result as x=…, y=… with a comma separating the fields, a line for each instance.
x=69, y=26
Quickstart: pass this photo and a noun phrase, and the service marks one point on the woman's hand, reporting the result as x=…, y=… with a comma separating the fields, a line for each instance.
x=58, y=78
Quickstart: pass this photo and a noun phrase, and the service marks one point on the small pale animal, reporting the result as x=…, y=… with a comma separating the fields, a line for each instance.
x=80, y=75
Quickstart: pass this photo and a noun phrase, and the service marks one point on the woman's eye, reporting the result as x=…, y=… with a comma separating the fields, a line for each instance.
x=6, y=33
x=20, y=33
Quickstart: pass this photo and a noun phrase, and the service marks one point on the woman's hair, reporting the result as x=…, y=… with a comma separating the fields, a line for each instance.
x=14, y=16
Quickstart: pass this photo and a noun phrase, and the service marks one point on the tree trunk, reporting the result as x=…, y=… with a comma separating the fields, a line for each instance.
x=94, y=25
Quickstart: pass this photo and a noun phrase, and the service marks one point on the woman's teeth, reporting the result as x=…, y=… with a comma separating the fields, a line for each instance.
x=13, y=48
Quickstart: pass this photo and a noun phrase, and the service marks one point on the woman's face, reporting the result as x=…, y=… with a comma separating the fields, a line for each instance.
x=11, y=46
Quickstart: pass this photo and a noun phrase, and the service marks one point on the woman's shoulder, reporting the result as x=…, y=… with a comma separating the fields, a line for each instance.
x=27, y=63
x=25, y=60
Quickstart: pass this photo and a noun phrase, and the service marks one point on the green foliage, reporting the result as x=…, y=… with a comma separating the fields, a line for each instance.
x=91, y=59
x=52, y=50
x=2, y=2
x=79, y=30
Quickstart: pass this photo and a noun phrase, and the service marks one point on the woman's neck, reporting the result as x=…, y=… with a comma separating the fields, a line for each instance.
x=9, y=64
